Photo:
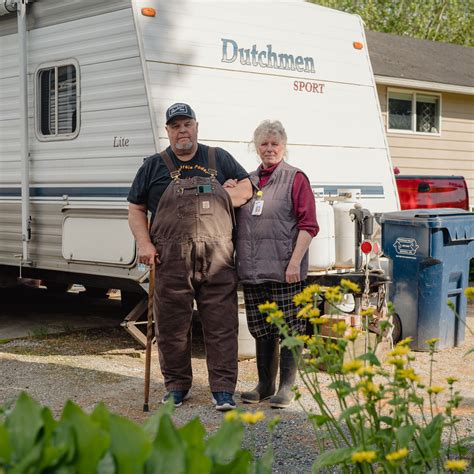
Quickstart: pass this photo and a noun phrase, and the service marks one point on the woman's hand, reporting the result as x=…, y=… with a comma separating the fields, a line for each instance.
x=292, y=273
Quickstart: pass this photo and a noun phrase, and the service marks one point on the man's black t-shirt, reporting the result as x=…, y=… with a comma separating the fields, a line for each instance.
x=153, y=177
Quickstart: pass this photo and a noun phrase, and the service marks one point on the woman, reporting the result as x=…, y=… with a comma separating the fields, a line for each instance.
x=274, y=230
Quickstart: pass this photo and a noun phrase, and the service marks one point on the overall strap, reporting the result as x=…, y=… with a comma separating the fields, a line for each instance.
x=211, y=158
x=174, y=173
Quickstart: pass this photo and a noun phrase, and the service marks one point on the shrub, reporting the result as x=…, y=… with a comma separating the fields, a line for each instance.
x=32, y=441
x=382, y=423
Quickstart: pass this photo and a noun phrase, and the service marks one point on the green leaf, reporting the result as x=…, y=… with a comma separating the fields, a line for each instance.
x=240, y=464
x=5, y=447
x=101, y=416
x=387, y=419
x=129, y=444
x=470, y=351
x=193, y=435
x=404, y=435
x=340, y=385
x=370, y=357
x=91, y=440
x=24, y=424
x=329, y=458
x=152, y=425
x=169, y=453
x=318, y=420
x=224, y=444
x=350, y=411
x=291, y=342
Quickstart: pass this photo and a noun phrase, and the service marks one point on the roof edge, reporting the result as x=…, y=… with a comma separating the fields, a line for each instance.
x=416, y=84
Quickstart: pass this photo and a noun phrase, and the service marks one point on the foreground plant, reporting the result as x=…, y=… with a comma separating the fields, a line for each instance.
x=383, y=423
x=32, y=441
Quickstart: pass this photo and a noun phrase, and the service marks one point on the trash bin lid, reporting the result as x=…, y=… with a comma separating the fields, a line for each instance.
x=458, y=222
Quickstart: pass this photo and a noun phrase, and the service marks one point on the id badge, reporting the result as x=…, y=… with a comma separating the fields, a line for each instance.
x=257, y=207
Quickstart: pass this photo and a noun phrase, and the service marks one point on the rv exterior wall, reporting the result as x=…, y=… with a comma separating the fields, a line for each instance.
x=300, y=68
x=98, y=165
x=240, y=72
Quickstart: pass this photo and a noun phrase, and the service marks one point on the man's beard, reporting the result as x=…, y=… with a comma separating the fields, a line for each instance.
x=184, y=146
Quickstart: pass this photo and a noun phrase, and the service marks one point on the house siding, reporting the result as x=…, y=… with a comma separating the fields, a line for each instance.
x=449, y=153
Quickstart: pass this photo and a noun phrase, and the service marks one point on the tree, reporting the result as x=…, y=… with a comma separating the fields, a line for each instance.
x=450, y=21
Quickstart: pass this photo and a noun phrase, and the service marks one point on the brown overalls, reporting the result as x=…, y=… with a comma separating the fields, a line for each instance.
x=192, y=233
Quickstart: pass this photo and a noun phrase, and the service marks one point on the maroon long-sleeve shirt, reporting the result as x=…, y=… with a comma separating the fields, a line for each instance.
x=302, y=196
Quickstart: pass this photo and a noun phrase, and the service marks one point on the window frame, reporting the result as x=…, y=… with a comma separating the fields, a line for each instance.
x=37, y=100
x=413, y=93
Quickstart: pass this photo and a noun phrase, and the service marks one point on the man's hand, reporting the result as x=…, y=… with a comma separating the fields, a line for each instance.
x=240, y=192
x=230, y=183
x=147, y=254
x=137, y=220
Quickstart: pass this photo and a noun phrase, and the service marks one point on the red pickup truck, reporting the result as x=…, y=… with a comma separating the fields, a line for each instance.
x=426, y=192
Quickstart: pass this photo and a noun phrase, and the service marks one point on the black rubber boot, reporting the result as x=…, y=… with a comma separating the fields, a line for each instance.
x=267, y=368
x=288, y=370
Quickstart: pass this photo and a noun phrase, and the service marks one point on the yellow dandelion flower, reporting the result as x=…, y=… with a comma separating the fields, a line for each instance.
x=231, y=415
x=353, y=334
x=451, y=380
x=399, y=363
x=405, y=342
x=349, y=285
x=303, y=312
x=369, y=370
x=322, y=320
x=397, y=455
x=435, y=389
x=352, y=365
x=252, y=418
x=339, y=327
x=456, y=465
x=469, y=292
x=267, y=307
x=367, y=387
x=399, y=351
x=304, y=338
x=409, y=374
x=432, y=341
x=368, y=312
x=299, y=299
x=312, y=289
x=363, y=456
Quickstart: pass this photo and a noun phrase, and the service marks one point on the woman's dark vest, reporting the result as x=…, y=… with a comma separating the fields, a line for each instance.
x=265, y=243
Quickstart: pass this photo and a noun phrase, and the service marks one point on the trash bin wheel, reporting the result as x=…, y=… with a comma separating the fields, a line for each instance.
x=397, y=328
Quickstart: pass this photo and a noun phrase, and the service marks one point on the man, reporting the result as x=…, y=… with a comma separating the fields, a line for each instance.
x=190, y=240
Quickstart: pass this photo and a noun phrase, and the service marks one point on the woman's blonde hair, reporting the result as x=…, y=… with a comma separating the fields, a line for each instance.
x=269, y=127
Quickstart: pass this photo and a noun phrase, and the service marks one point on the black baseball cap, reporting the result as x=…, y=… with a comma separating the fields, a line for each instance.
x=179, y=110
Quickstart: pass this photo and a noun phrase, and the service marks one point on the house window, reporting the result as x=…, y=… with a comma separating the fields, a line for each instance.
x=413, y=112
x=58, y=102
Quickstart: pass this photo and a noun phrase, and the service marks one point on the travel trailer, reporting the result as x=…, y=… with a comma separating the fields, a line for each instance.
x=84, y=86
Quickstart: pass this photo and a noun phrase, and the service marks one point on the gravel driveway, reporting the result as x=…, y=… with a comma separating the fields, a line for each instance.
x=108, y=365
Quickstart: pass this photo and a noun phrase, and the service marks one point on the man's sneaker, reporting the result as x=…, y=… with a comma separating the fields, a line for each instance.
x=224, y=401
x=178, y=396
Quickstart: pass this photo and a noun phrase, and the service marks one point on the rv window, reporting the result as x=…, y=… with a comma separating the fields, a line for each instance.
x=57, y=101
x=413, y=112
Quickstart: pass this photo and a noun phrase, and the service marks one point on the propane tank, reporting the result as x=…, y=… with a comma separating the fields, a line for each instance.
x=322, y=250
x=345, y=227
